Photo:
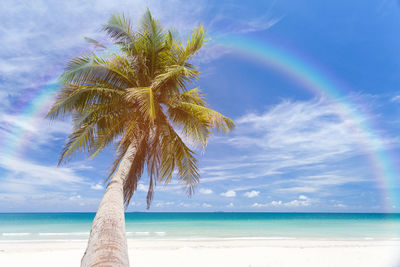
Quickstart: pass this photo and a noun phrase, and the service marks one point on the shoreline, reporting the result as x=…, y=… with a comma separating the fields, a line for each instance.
x=215, y=239
x=139, y=238
x=216, y=252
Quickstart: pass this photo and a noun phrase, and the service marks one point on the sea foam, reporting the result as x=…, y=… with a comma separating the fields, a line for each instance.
x=64, y=234
x=16, y=234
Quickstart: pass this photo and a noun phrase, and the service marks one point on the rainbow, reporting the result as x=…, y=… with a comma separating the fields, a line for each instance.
x=314, y=78
x=286, y=62
x=30, y=112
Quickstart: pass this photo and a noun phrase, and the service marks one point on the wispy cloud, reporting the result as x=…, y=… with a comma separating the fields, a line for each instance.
x=294, y=147
x=229, y=193
x=160, y=204
x=302, y=201
x=38, y=38
x=36, y=131
x=252, y=194
x=233, y=19
x=395, y=99
x=205, y=191
x=27, y=172
x=41, y=186
x=206, y=205
x=97, y=187
x=142, y=188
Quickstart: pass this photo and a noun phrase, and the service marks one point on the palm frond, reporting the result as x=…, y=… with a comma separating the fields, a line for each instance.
x=194, y=123
x=184, y=160
x=143, y=96
x=193, y=44
x=75, y=98
x=86, y=68
x=176, y=74
x=81, y=139
x=136, y=170
x=150, y=192
x=217, y=120
x=95, y=43
x=120, y=30
x=121, y=151
x=193, y=96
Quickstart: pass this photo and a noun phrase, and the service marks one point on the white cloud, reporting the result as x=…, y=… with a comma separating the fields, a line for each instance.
x=276, y=203
x=259, y=205
x=80, y=165
x=97, y=187
x=395, y=99
x=230, y=205
x=261, y=24
x=39, y=185
x=302, y=201
x=316, y=183
x=185, y=205
x=51, y=201
x=206, y=205
x=297, y=203
x=22, y=171
x=75, y=197
x=252, y=194
x=205, y=191
x=300, y=189
x=37, y=131
x=161, y=204
x=228, y=22
x=229, y=193
x=142, y=188
x=303, y=128
x=32, y=40
x=273, y=203
x=295, y=148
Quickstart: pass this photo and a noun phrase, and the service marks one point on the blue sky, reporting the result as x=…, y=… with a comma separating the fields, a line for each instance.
x=294, y=149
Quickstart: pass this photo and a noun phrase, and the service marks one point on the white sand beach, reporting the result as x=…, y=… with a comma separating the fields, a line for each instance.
x=202, y=253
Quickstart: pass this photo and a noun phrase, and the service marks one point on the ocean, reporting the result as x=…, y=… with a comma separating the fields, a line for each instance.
x=208, y=225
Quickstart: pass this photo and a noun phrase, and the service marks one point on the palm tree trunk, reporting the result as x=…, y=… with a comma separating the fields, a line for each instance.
x=107, y=244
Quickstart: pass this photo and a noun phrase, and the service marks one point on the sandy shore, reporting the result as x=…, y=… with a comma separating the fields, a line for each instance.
x=209, y=253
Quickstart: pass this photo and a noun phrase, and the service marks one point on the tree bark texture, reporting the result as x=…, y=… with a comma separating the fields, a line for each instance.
x=107, y=245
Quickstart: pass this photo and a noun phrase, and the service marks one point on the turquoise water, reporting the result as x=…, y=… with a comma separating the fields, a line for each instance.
x=72, y=226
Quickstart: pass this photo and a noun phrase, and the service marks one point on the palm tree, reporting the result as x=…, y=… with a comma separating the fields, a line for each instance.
x=136, y=95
